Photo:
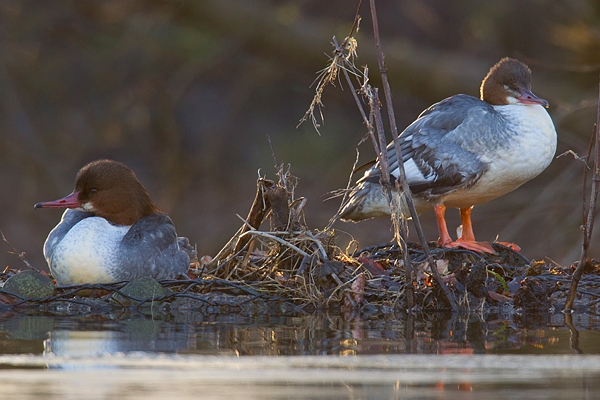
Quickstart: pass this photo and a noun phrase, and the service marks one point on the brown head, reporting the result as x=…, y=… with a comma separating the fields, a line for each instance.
x=509, y=82
x=110, y=190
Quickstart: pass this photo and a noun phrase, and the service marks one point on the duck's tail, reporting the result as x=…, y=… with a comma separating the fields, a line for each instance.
x=366, y=200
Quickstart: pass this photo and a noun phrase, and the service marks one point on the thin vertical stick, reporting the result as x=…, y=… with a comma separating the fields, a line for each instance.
x=590, y=213
x=402, y=174
x=392, y=193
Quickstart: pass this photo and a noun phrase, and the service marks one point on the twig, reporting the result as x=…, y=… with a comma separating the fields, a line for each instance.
x=319, y=245
x=347, y=295
x=575, y=156
x=226, y=250
x=345, y=193
x=402, y=177
x=21, y=255
x=589, y=211
x=356, y=22
x=245, y=222
x=272, y=149
x=330, y=73
x=277, y=239
x=257, y=211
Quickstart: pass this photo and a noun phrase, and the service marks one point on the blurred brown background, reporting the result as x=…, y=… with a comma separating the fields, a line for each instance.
x=186, y=92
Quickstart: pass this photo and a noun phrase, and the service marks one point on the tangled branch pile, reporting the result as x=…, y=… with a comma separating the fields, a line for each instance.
x=295, y=264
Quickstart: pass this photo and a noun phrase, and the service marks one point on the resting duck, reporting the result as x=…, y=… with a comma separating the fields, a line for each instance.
x=465, y=151
x=112, y=231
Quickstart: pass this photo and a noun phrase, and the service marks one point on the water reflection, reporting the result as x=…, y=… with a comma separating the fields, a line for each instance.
x=96, y=335
x=186, y=356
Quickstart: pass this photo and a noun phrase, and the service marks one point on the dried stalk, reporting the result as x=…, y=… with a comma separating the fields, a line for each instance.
x=345, y=193
x=330, y=74
x=392, y=194
x=21, y=255
x=402, y=179
x=589, y=210
x=257, y=212
x=394, y=198
x=277, y=239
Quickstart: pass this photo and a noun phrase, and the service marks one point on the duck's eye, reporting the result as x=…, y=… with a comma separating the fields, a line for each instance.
x=93, y=190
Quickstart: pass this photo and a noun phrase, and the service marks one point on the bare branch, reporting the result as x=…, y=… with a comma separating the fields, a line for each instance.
x=401, y=181
x=589, y=210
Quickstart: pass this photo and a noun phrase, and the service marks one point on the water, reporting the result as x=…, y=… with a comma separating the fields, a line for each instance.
x=135, y=356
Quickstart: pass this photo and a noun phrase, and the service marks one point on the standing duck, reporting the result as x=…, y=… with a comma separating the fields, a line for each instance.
x=465, y=151
x=112, y=231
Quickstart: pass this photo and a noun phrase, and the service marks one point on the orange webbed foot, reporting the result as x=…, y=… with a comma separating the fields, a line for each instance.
x=479, y=247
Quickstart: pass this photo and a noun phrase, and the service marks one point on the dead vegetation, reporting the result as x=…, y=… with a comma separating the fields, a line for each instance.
x=305, y=267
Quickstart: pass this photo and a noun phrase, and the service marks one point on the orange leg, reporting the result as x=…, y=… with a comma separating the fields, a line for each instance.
x=467, y=226
x=440, y=216
x=467, y=240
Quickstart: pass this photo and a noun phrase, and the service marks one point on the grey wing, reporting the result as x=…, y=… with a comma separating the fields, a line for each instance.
x=153, y=248
x=442, y=149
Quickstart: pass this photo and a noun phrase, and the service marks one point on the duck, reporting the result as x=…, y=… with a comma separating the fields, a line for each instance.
x=112, y=231
x=464, y=151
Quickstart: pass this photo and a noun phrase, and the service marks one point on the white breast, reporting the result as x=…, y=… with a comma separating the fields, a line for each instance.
x=88, y=252
x=530, y=150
